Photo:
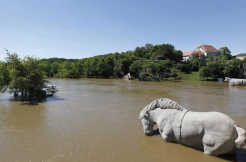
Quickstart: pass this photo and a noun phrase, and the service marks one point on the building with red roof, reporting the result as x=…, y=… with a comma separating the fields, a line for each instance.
x=202, y=51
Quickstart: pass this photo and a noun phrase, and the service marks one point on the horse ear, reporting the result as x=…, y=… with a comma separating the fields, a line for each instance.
x=144, y=115
x=141, y=115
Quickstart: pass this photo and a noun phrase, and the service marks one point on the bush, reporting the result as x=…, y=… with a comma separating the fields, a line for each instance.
x=25, y=76
x=233, y=68
x=204, y=73
x=175, y=73
x=186, y=68
x=145, y=76
x=135, y=68
x=213, y=70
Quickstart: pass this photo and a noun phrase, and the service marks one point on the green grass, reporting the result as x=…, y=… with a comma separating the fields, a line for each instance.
x=194, y=76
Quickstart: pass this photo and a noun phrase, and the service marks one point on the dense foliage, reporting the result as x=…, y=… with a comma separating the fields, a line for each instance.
x=222, y=66
x=147, y=63
x=154, y=62
x=22, y=77
x=4, y=76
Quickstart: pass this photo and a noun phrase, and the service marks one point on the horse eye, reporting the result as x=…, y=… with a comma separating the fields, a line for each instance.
x=146, y=116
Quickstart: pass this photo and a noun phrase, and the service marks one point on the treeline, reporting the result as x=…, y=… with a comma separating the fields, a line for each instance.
x=147, y=63
x=220, y=67
x=214, y=67
x=150, y=62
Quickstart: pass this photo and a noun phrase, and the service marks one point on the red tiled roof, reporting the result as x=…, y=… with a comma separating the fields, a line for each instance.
x=187, y=53
x=197, y=51
x=208, y=48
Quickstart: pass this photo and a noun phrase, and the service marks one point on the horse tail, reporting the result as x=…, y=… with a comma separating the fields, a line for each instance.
x=241, y=137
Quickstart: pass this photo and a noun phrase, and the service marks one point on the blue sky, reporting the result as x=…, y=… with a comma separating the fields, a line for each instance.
x=84, y=28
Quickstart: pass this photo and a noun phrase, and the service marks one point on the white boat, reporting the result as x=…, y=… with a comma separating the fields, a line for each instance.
x=50, y=89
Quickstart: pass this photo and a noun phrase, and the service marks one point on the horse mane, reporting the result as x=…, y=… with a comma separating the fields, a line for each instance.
x=162, y=103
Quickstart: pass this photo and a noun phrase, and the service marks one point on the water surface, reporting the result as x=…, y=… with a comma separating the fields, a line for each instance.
x=96, y=120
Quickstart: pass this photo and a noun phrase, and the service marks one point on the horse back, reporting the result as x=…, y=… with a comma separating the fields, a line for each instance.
x=217, y=123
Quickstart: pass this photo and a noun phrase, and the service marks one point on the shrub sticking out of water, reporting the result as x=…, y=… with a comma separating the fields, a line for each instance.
x=23, y=77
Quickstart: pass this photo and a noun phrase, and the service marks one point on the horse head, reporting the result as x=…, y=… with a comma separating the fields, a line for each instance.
x=161, y=103
x=147, y=123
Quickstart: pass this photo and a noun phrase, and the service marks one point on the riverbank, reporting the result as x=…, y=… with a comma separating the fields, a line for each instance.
x=194, y=76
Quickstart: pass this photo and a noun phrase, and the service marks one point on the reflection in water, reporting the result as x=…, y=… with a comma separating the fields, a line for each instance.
x=96, y=120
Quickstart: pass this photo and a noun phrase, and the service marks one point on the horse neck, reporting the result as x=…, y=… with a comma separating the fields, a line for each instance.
x=160, y=114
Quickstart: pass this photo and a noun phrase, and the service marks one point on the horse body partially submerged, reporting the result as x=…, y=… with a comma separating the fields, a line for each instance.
x=213, y=132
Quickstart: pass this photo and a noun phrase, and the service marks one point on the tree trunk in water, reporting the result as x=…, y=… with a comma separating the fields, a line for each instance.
x=15, y=94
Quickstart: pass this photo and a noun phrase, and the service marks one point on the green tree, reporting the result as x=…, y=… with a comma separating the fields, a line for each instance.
x=143, y=52
x=184, y=67
x=34, y=77
x=225, y=53
x=26, y=76
x=135, y=68
x=46, y=67
x=163, y=52
x=204, y=72
x=145, y=76
x=165, y=67
x=175, y=73
x=215, y=68
x=118, y=72
x=54, y=68
x=4, y=76
x=233, y=68
x=196, y=62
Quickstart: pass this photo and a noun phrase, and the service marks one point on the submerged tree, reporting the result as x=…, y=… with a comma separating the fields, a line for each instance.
x=24, y=77
x=4, y=77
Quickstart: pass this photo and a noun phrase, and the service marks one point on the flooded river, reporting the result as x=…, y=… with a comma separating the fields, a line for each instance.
x=96, y=120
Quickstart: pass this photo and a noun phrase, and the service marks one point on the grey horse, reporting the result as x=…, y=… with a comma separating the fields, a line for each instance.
x=213, y=132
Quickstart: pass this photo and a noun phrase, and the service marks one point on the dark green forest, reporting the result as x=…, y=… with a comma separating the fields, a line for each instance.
x=151, y=62
x=147, y=63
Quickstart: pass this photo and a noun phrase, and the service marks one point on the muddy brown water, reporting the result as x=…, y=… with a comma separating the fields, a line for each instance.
x=96, y=120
